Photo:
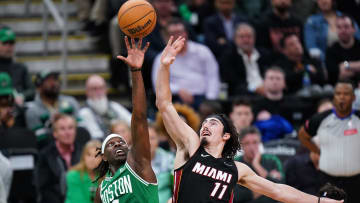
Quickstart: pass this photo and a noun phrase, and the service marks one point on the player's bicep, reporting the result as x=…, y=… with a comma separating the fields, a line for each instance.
x=182, y=134
x=251, y=180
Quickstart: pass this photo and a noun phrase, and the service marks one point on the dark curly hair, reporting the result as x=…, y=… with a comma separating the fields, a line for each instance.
x=232, y=145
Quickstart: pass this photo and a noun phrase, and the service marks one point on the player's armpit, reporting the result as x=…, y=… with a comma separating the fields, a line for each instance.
x=97, y=198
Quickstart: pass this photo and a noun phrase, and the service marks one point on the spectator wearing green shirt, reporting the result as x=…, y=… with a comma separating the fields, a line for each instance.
x=265, y=165
x=79, y=179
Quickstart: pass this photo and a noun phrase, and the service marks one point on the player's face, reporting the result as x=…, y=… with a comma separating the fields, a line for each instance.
x=90, y=158
x=212, y=131
x=343, y=97
x=116, y=150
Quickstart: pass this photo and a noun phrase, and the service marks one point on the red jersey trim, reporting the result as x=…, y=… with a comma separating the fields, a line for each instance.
x=177, y=177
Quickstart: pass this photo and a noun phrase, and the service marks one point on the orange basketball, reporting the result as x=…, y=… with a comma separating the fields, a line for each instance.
x=137, y=18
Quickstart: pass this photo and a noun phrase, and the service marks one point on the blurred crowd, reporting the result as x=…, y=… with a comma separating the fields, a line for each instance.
x=285, y=72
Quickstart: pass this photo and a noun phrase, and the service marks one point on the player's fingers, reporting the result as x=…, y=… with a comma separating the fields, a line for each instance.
x=139, y=43
x=146, y=46
x=121, y=58
x=127, y=43
x=133, y=43
x=170, y=41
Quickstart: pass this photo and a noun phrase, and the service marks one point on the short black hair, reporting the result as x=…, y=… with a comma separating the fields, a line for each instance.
x=346, y=81
x=333, y=192
x=241, y=101
x=344, y=16
x=176, y=21
x=283, y=39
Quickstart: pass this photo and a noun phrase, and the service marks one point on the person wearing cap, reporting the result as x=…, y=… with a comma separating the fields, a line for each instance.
x=126, y=172
x=11, y=115
x=24, y=88
x=15, y=137
x=48, y=101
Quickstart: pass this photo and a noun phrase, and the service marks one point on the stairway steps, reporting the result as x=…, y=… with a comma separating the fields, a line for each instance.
x=15, y=8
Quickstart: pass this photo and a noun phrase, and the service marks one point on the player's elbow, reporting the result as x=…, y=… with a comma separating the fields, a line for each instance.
x=161, y=104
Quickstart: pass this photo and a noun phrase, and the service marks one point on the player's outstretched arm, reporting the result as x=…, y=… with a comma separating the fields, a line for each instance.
x=139, y=157
x=184, y=137
x=279, y=192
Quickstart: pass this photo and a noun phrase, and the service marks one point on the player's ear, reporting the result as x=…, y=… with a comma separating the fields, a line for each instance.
x=226, y=136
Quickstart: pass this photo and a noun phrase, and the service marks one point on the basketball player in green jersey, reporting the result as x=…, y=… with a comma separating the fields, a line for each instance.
x=128, y=173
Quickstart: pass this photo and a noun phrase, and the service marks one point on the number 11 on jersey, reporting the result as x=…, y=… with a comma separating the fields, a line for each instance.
x=216, y=188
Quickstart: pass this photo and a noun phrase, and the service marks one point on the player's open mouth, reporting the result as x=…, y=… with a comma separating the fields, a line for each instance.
x=119, y=152
x=205, y=133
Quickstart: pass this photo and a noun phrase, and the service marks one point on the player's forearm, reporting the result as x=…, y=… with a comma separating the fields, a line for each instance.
x=289, y=194
x=138, y=96
x=163, y=92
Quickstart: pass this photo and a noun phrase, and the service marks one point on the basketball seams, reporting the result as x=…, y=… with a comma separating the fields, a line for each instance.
x=138, y=19
x=144, y=31
x=119, y=17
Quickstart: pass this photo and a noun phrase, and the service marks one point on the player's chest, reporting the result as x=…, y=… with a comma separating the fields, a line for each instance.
x=116, y=189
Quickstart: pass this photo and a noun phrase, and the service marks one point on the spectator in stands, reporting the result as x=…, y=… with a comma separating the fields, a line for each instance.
x=195, y=12
x=303, y=75
x=219, y=28
x=274, y=101
x=18, y=72
x=276, y=23
x=99, y=112
x=5, y=178
x=253, y=9
x=241, y=115
x=320, y=29
x=265, y=165
x=242, y=66
x=55, y=159
x=194, y=75
x=339, y=140
x=122, y=128
x=11, y=115
x=48, y=101
x=343, y=58
x=162, y=162
x=79, y=179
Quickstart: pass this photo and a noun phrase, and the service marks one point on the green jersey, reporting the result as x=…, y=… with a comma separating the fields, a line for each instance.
x=127, y=186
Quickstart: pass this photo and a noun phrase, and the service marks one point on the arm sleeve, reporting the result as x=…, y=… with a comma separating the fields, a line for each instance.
x=312, y=125
x=332, y=65
x=309, y=34
x=29, y=89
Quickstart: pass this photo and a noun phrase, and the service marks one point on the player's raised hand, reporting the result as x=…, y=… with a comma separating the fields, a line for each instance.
x=171, y=50
x=136, y=54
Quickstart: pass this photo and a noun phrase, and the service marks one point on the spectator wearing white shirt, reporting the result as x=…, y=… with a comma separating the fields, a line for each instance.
x=98, y=112
x=194, y=75
x=243, y=65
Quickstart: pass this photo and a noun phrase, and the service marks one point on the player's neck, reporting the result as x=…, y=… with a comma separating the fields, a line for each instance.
x=115, y=166
x=215, y=151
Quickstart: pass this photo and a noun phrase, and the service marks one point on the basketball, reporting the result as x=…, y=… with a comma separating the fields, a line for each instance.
x=137, y=18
